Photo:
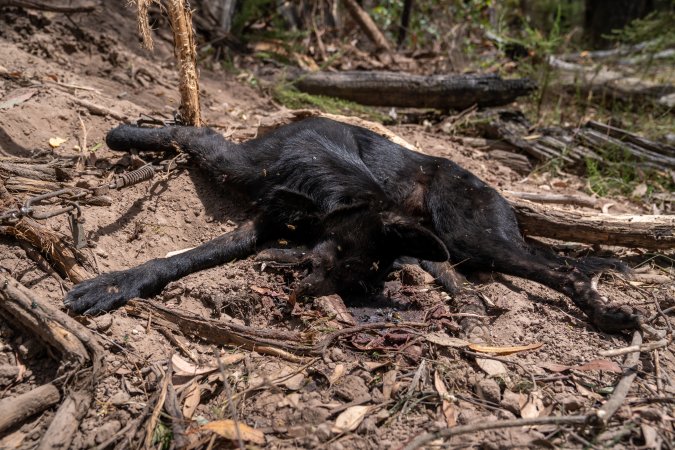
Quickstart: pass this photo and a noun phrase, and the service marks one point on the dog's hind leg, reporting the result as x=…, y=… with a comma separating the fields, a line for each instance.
x=569, y=277
x=114, y=289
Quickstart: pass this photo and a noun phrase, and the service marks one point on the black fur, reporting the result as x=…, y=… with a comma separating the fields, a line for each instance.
x=360, y=201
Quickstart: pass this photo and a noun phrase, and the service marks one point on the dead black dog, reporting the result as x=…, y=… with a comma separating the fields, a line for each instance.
x=360, y=202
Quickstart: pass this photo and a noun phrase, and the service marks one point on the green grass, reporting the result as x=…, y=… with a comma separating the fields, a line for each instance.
x=292, y=98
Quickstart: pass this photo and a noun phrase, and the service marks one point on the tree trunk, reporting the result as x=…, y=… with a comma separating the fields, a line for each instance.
x=404, y=90
x=604, y=16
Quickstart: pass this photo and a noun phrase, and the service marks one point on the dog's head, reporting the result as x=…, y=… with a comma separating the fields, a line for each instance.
x=357, y=247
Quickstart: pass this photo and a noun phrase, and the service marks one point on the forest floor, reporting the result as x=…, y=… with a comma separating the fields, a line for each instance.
x=389, y=383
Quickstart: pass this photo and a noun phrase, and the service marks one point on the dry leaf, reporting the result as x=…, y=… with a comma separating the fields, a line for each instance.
x=193, y=396
x=444, y=340
x=17, y=99
x=184, y=368
x=374, y=365
x=531, y=406
x=388, y=381
x=504, y=350
x=600, y=364
x=553, y=367
x=340, y=370
x=228, y=429
x=449, y=412
x=596, y=364
x=350, y=418
x=491, y=367
x=56, y=142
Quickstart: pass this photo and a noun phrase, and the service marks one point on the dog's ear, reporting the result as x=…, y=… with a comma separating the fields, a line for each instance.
x=407, y=238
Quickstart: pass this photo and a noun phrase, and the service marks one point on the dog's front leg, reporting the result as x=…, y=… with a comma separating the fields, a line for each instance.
x=112, y=290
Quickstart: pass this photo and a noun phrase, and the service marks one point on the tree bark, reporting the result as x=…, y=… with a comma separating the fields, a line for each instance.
x=651, y=232
x=186, y=53
x=398, y=89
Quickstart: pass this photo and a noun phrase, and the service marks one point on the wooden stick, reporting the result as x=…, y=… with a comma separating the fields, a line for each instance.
x=578, y=200
x=630, y=364
x=14, y=410
x=186, y=52
x=446, y=433
x=367, y=25
x=67, y=420
x=16, y=306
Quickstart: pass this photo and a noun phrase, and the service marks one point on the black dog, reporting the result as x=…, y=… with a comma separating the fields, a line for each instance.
x=360, y=202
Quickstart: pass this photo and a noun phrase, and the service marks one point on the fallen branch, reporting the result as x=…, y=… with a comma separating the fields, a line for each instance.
x=578, y=200
x=652, y=232
x=14, y=410
x=367, y=25
x=446, y=433
x=605, y=413
x=636, y=348
x=405, y=90
x=278, y=343
x=99, y=110
x=79, y=350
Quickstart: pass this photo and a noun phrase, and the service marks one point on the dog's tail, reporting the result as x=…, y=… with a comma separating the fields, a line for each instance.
x=208, y=147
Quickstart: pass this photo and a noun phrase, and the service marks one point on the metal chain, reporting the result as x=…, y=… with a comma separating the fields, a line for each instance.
x=70, y=197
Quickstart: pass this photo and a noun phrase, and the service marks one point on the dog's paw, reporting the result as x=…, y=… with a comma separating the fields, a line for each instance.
x=103, y=293
x=612, y=318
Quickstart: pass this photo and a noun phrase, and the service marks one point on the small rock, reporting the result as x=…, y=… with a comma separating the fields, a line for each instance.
x=120, y=399
x=104, y=322
x=413, y=275
x=107, y=430
x=572, y=403
x=351, y=387
x=511, y=402
x=323, y=432
x=488, y=390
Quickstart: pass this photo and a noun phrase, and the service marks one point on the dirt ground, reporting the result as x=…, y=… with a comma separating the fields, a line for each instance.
x=388, y=382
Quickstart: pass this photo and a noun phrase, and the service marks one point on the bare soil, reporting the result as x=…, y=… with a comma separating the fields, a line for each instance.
x=96, y=57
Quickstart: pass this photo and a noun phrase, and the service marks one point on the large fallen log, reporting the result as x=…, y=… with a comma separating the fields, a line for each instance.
x=405, y=90
x=652, y=232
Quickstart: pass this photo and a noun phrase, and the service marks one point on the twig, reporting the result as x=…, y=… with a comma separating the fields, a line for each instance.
x=172, y=408
x=555, y=198
x=605, y=413
x=152, y=423
x=636, y=348
x=230, y=402
x=425, y=438
x=657, y=372
x=99, y=110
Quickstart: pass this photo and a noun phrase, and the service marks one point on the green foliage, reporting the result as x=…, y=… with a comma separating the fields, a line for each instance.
x=657, y=31
x=292, y=98
x=162, y=436
x=618, y=174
